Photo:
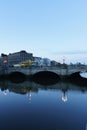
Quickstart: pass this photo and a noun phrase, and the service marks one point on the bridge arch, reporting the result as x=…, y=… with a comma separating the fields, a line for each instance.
x=76, y=79
x=46, y=74
x=75, y=74
x=17, y=76
x=45, y=77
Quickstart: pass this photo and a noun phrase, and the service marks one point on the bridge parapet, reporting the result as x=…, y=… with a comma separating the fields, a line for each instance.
x=32, y=70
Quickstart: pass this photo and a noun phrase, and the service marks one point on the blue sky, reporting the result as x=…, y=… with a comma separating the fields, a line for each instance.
x=55, y=29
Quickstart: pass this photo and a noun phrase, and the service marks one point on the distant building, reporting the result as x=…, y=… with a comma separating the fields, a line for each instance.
x=18, y=57
x=45, y=62
x=37, y=61
x=3, y=60
x=0, y=61
x=54, y=63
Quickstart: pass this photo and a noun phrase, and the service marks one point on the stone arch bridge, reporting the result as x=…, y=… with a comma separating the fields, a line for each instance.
x=57, y=70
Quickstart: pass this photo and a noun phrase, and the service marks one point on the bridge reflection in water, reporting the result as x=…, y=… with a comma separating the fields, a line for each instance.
x=28, y=87
x=30, y=105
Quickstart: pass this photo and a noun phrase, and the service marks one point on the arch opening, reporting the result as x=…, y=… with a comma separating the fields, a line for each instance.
x=75, y=75
x=45, y=77
x=17, y=77
x=75, y=78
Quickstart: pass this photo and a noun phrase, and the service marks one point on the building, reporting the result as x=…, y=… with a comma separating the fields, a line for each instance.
x=45, y=62
x=18, y=57
x=3, y=60
x=55, y=63
x=37, y=61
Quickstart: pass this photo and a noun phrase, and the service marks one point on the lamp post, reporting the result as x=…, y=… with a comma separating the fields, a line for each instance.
x=64, y=59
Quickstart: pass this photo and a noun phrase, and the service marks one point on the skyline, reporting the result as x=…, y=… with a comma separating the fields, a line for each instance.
x=47, y=28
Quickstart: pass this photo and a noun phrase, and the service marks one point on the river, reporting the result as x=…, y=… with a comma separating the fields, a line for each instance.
x=33, y=106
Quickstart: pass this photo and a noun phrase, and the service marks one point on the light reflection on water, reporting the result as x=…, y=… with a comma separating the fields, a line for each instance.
x=30, y=106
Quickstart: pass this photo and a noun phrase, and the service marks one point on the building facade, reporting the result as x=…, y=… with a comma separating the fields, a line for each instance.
x=3, y=60
x=18, y=57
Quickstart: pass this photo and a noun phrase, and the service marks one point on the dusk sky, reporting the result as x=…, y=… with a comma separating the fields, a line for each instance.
x=55, y=29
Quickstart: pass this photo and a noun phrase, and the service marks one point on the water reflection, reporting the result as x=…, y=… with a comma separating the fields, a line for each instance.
x=86, y=126
x=64, y=97
x=27, y=88
x=29, y=95
x=5, y=92
x=30, y=106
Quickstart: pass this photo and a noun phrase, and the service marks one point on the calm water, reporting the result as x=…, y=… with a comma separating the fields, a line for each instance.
x=30, y=106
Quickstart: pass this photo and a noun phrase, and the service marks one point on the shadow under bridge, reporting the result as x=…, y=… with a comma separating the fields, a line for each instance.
x=44, y=77
x=17, y=76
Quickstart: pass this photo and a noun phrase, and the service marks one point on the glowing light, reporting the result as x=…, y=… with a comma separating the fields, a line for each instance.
x=64, y=98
